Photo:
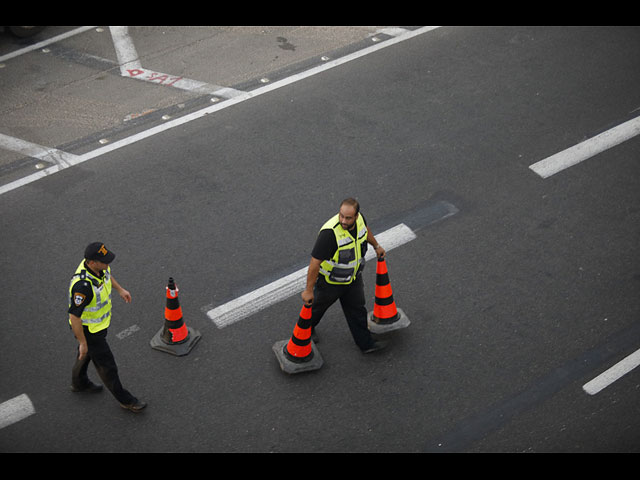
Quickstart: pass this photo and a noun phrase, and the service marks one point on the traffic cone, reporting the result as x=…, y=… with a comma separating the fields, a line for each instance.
x=385, y=316
x=174, y=337
x=299, y=354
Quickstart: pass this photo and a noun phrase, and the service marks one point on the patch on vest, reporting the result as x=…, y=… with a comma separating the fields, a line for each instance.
x=78, y=299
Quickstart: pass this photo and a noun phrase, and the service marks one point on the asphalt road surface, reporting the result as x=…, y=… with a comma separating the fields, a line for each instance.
x=213, y=156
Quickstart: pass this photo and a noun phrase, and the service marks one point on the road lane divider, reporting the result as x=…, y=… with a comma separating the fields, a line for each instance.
x=612, y=374
x=16, y=409
x=587, y=149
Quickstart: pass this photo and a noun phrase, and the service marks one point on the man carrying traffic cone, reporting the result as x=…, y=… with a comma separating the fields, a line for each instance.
x=335, y=271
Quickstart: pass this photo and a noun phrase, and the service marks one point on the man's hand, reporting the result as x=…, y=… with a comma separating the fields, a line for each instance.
x=312, y=276
x=76, y=326
x=82, y=350
x=125, y=295
x=307, y=297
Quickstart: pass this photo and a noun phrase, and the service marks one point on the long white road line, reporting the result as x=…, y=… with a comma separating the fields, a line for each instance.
x=44, y=43
x=587, y=149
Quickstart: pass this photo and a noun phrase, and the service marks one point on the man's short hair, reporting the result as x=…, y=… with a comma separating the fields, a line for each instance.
x=352, y=202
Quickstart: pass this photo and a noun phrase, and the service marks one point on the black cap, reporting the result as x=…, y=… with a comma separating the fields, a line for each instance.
x=97, y=251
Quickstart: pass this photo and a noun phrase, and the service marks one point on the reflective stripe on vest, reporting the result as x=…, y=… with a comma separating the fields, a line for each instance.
x=97, y=314
x=343, y=267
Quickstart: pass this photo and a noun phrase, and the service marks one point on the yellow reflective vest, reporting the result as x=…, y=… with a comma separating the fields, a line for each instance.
x=343, y=267
x=97, y=314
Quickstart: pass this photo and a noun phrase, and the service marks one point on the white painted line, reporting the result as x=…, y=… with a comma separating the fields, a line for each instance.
x=614, y=373
x=235, y=99
x=584, y=150
x=28, y=149
x=44, y=43
x=274, y=292
x=392, y=31
x=182, y=83
x=125, y=49
x=128, y=332
x=16, y=409
x=131, y=67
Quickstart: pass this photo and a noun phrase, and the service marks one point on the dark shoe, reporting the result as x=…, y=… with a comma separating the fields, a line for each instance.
x=136, y=406
x=377, y=345
x=90, y=388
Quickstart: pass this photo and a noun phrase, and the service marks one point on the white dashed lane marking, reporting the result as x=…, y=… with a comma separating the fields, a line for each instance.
x=16, y=409
x=614, y=373
x=587, y=149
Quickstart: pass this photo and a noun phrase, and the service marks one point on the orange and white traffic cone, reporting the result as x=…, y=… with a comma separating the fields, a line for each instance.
x=299, y=354
x=385, y=316
x=174, y=337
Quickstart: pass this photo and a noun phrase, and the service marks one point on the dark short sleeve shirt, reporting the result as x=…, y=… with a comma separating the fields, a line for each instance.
x=326, y=245
x=81, y=296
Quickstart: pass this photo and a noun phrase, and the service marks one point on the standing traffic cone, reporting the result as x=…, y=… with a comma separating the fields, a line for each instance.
x=385, y=316
x=299, y=354
x=174, y=337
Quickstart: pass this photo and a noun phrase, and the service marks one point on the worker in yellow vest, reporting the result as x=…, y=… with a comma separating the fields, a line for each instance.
x=90, y=316
x=335, y=271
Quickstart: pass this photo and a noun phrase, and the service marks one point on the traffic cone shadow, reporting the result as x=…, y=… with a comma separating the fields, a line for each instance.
x=386, y=316
x=299, y=354
x=174, y=337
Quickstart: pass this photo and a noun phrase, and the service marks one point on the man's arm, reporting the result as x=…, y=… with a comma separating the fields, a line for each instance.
x=76, y=326
x=312, y=276
x=374, y=243
x=126, y=296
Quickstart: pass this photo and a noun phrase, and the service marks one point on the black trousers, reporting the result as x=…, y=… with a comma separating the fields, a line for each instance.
x=102, y=357
x=352, y=301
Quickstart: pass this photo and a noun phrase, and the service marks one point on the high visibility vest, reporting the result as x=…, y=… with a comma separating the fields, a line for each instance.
x=343, y=267
x=97, y=314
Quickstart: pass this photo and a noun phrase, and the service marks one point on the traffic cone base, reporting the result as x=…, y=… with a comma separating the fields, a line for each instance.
x=174, y=337
x=291, y=365
x=401, y=321
x=386, y=316
x=299, y=354
x=180, y=348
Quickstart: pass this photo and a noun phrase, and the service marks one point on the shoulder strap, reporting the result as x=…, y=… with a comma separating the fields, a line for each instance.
x=85, y=276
